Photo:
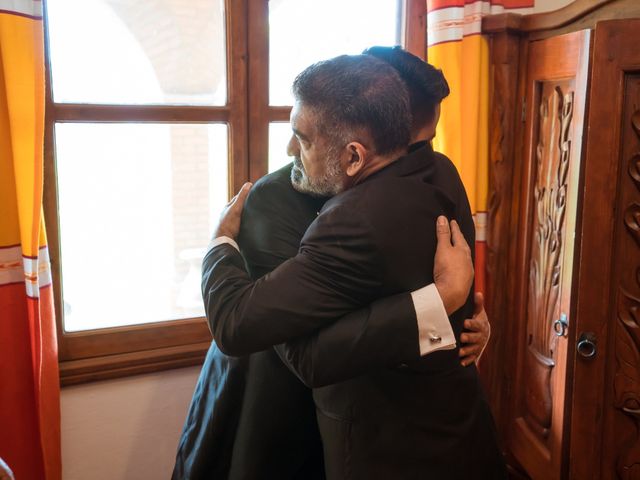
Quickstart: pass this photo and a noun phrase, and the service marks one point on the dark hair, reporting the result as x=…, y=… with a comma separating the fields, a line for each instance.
x=426, y=84
x=352, y=93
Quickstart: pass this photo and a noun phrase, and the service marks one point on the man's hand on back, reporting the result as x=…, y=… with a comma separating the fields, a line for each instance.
x=229, y=223
x=453, y=268
x=479, y=330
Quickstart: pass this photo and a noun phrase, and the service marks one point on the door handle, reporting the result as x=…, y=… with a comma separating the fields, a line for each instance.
x=561, y=325
x=586, y=345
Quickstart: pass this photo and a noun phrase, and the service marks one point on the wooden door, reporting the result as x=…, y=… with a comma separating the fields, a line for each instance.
x=553, y=113
x=605, y=404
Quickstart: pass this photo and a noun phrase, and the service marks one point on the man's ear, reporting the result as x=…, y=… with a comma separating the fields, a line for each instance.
x=355, y=158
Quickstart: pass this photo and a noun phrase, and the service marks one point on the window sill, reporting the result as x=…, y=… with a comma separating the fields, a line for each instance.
x=73, y=372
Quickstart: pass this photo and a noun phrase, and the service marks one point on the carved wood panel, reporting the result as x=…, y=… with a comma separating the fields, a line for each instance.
x=602, y=403
x=552, y=156
x=555, y=88
x=605, y=393
x=626, y=379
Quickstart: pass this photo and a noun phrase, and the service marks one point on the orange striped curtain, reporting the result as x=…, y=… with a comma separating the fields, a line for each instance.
x=29, y=385
x=456, y=46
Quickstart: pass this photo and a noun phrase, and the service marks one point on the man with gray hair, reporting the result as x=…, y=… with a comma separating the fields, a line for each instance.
x=376, y=237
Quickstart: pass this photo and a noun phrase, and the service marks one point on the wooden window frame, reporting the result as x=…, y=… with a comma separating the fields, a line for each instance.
x=415, y=28
x=114, y=352
x=129, y=350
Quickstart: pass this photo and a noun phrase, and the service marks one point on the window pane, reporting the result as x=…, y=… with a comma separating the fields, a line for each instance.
x=138, y=52
x=302, y=32
x=279, y=135
x=136, y=206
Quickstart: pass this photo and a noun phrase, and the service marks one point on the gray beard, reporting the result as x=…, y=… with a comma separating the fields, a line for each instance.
x=331, y=183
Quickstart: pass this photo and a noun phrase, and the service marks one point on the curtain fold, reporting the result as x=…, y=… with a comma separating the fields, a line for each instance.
x=456, y=46
x=29, y=381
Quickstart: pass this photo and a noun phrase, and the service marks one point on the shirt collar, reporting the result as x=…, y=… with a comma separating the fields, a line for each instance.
x=419, y=157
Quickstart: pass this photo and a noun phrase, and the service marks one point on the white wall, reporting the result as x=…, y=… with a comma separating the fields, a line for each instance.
x=125, y=429
x=547, y=5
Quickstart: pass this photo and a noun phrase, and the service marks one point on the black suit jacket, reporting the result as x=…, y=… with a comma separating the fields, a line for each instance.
x=318, y=359
x=250, y=417
x=426, y=420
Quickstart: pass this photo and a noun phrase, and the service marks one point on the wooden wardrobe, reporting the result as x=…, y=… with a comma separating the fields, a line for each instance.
x=562, y=371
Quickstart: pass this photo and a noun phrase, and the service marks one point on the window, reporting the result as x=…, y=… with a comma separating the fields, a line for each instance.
x=155, y=117
x=146, y=198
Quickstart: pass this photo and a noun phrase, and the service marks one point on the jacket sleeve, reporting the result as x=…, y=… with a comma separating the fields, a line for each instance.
x=335, y=272
x=383, y=334
x=379, y=335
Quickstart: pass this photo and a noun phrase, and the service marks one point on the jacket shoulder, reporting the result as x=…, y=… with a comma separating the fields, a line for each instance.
x=275, y=182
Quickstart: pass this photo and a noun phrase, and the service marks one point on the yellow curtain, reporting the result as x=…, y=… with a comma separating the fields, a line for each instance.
x=29, y=385
x=456, y=46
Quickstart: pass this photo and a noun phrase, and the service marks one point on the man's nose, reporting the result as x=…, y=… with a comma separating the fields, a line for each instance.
x=293, y=149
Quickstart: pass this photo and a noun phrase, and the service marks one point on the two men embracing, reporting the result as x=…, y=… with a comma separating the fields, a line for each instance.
x=351, y=269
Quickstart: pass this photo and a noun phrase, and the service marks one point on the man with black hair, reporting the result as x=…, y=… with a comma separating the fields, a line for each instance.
x=426, y=84
x=424, y=419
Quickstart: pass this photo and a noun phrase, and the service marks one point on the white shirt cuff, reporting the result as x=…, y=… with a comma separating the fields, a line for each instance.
x=434, y=330
x=220, y=240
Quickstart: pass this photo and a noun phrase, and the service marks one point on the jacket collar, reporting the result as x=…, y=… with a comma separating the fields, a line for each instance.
x=419, y=158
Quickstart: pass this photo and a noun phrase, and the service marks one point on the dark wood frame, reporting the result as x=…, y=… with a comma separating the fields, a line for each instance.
x=128, y=350
x=609, y=440
x=415, y=28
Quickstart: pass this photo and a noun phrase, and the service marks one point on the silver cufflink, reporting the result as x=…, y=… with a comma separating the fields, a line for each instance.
x=435, y=338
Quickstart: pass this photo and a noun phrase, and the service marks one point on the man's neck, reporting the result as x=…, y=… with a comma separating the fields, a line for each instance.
x=423, y=133
x=375, y=164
